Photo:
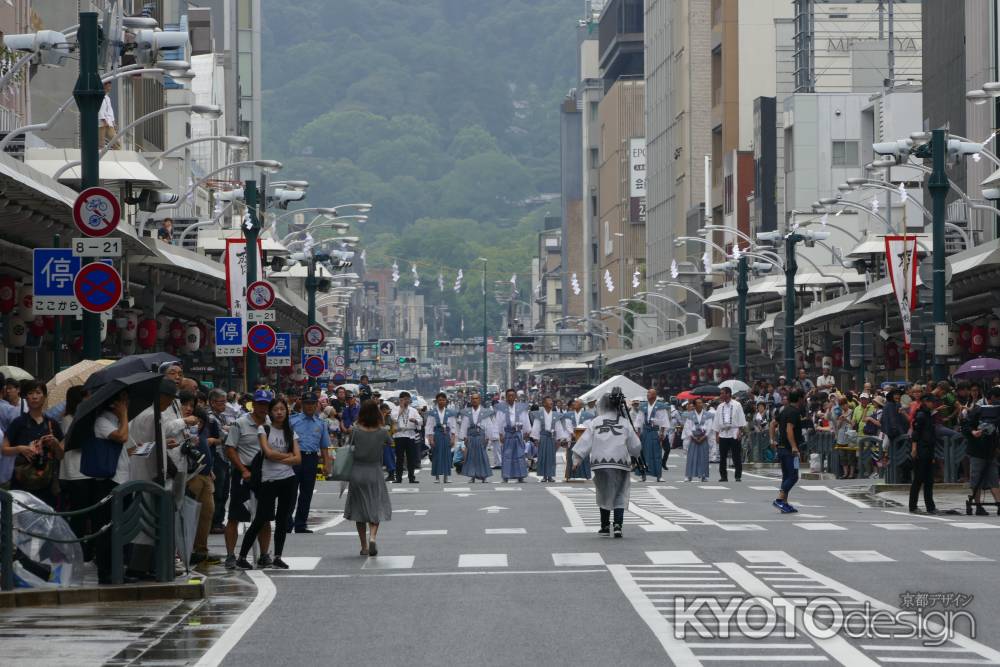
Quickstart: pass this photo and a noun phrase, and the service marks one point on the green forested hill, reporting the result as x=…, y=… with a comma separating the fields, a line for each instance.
x=438, y=111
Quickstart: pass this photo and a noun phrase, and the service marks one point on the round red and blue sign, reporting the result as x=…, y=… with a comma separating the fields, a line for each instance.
x=314, y=366
x=261, y=339
x=98, y=287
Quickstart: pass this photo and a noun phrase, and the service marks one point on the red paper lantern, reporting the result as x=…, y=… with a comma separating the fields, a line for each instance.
x=694, y=378
x=176, y=333
x=838, y=357
x=965, y=336
x=727, y=371
x=8, y=294
x=891, y=355
x=993, y=333
x=978, y=343
x=914, y=356
x=147, y=333
x=37, y=326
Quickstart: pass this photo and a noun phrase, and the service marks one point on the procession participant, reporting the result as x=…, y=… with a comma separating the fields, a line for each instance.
x=697, y=435
x=441, y=429
x=652, y=422
x=547, y=431
x=406, y=423
x=576, y=418
x=513, y=418
x=477, y=426
x=728, y=424
x=610, y=443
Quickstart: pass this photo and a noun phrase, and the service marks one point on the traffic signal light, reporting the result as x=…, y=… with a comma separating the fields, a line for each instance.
x=406, y=360
x=524, y=347
x=442, y=343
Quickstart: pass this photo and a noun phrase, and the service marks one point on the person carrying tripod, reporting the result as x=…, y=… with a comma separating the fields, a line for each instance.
x=611, y=442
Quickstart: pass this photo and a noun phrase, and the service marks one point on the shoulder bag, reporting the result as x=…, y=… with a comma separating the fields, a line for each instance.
x=343, y=463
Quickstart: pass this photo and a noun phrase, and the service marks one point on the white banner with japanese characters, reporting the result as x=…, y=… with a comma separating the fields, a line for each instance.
x=901, y=263
x=236, y=275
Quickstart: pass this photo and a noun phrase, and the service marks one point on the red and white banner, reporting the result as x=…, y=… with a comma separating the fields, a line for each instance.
x=901, y=262
x=236, y=275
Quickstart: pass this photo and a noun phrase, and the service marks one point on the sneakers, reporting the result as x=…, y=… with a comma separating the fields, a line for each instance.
x=605, y=531
x=279, y=564
x=618, y=530
x=230, y=562
x=981, y=511
x=243, y=564
x=264, y=561
x=783, y=506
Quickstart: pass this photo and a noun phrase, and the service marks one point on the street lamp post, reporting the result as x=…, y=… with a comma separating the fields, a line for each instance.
x=250, y=233
x=89, y=93
x=486, y=359
x=938, y=186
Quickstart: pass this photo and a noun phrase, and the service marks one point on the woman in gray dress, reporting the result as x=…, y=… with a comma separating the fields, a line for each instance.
x=367, y=496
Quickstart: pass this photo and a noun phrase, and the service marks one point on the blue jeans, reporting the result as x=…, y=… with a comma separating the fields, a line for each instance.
x=789, y=473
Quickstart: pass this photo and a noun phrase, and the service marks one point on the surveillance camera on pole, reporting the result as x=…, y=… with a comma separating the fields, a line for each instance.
x=769, y=236
x=959, y=149
x=50, y=46
x=149, y=200
x=993, y=194
x=149, y=43
x=236, y=194
x=898, y=150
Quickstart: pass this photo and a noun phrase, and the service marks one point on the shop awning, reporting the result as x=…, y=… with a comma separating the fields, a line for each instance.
x=525, y=367
x=117, y=167
x=992, y=181
x=984, y=255
x=774, y=286
x=707, y=338
x=827, y=310
x=768, y=322
x=875, y=245
x=214, y=240
x=559, y=366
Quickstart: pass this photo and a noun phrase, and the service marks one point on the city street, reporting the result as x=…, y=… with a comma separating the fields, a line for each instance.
x=509, y=573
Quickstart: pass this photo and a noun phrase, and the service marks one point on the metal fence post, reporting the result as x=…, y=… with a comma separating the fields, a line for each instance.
x=6, y=541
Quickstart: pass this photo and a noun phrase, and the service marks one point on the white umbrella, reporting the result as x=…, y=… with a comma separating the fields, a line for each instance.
x=15, y=373
x=736, y=386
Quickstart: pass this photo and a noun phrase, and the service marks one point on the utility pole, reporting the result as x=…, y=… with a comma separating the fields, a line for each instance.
x=250, y=234
x=486, y=360
x=311, y=284
x=89, y=93
x=791, y=268
x=742, y=288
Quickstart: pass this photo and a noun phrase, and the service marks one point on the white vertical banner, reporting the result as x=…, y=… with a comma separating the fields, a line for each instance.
x=236, y=275
x=637, y=180
x=901, y=263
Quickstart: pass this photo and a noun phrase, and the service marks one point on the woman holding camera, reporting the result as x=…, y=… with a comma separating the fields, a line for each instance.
x=697, y=436
x=279, y=449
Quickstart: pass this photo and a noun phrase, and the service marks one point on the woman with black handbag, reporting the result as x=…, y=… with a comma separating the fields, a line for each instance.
x=279, y=451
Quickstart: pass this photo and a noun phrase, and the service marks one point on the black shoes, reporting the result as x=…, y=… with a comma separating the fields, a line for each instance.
x=303, y=530
x=605, y=531
x=372, y=549
x=243, y=564
x=618, y=530
x=981, y=511
x=279, y=564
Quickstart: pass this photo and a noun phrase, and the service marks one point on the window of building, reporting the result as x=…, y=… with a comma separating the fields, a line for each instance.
x=595, y=158
x=845, y=154
x=593, y=111
x=245, y=10
x=608, y=245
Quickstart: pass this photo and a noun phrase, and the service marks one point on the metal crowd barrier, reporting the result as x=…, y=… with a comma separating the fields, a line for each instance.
x=136, y=507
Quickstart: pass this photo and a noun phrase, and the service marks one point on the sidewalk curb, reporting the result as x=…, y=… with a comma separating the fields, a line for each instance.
x=189, y=590
x=950, y=487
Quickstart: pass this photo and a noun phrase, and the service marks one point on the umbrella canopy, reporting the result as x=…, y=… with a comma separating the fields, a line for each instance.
x=736, y=386
x=16, y=373
x=978, y=369
x=628, y=387
x=687, y=396
x=75, y=375
x=130, y=365
x=143, y=391
x=707, y=390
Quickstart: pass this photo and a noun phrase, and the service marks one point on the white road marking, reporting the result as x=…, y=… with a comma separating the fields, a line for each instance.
x=957, y=556
x=820, y=526
x=766, y=556
x=836, y=647
x=329, y=524
x=803, y=515
x=672, y=557
x=482, y=560
x=427, y=532
x=234, y=633
x=577, y=559
x=678, y=652
x=899, y=526
x=301, y=562
x=405, y=491
x=506, y=531
x=766, y=488
x=456, y=489
x=730, y=501
x=711, y=487
x=741, y=526
x=508, y=488
x=922, y=516
x=837, y=494
x=862, y=557
x=975, y=526
x=389, y=563
x=342, y=533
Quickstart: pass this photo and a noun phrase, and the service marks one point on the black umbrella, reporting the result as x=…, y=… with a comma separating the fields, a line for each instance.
x=707, y=390
x=130, y=365
x=143, y=391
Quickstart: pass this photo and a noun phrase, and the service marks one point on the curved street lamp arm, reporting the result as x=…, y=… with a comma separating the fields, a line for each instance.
x=731, y=230
x=205, y=223
x=698, y=239
x=190, y=142
x=853, y=204
x=856, y=239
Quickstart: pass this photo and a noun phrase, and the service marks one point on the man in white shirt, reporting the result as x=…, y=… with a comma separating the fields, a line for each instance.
x=406, y=423
x=728, y=424
x=106, y=119
x=826, y=380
